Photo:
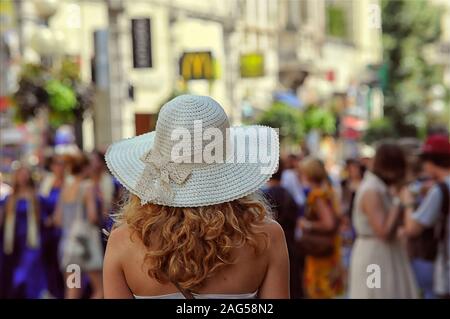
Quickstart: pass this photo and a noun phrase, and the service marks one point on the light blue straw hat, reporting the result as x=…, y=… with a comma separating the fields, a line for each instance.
x=194, y=158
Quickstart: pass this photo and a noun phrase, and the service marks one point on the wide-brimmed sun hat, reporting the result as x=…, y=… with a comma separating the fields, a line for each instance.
x=194, y=158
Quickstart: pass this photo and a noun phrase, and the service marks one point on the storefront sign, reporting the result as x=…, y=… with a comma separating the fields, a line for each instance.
x=252, y=65
x=101, y=59
x=197, y=66
x=142, y=45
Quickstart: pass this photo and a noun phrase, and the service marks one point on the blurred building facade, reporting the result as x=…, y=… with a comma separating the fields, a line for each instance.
x=334, y=40
x=331, y=52
x=313, y=48
x=442, y=48
x=224, y=29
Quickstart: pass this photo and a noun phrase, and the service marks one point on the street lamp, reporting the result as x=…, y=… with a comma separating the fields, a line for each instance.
x=46, y=8
x=44, y=41
x=46, y=44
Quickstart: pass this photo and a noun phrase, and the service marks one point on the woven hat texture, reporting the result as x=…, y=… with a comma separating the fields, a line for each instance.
x=145, y=164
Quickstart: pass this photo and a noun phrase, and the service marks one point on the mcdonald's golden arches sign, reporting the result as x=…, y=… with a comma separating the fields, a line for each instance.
x=197, y=66
x=252, y=65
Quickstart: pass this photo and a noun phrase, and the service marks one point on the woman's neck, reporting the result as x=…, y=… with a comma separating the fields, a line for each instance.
x=23, y=191
x=355, y=179
x=442, y=174
x=97, y=176
x=316, y=186
x=78, y=178
x=58, y=181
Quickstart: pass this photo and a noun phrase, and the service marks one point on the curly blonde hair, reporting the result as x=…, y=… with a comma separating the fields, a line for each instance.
x=188, y=245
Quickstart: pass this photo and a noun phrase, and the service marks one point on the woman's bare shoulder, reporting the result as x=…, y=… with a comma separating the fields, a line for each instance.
x=370, y=196
x=276, y=241
x=273, y=229
x=120, y=237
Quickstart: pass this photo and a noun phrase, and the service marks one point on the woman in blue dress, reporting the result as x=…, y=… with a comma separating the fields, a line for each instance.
x=50, y=189
x=22, y=270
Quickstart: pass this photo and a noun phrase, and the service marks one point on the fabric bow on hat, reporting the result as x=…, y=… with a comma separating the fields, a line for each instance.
x=155, y=179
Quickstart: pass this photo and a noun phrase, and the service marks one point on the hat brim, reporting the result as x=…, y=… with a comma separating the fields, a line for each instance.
x=208, y=184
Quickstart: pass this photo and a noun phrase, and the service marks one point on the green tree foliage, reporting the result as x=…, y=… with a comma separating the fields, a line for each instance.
x=295, y=124
x=287, y=119
x=62, y=101
x=379, y=129
x=58, y=89
x=319, y=118
x=31, y=94
x=61, y=97
x=407, y=27
x=336, y=20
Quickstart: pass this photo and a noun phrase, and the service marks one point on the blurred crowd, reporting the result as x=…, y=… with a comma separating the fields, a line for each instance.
x=377, y=228
x=38, y=221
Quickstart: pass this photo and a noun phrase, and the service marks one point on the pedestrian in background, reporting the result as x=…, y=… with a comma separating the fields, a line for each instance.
x=291, y=180
x=103, y=183
x=23, y=274
x=106, y=190
x=418, y=246
x=5, y=189
x=323, y=272
x=354, y=173
x=433, y=213
x=76, y=214
x=285, y=211
x=50, y=188
x=376, y=218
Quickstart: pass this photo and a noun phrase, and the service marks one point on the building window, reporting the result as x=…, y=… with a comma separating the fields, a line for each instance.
x=293, y=15
x=304, y=11
x=339, y=19
x=144, y=122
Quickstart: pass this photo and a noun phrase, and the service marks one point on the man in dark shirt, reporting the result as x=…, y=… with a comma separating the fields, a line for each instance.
x=286, y=213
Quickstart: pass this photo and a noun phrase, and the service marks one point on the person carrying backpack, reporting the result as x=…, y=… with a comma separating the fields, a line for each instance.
x=430, y=220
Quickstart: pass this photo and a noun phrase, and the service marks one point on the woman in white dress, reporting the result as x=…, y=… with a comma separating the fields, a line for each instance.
x=379, y=264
